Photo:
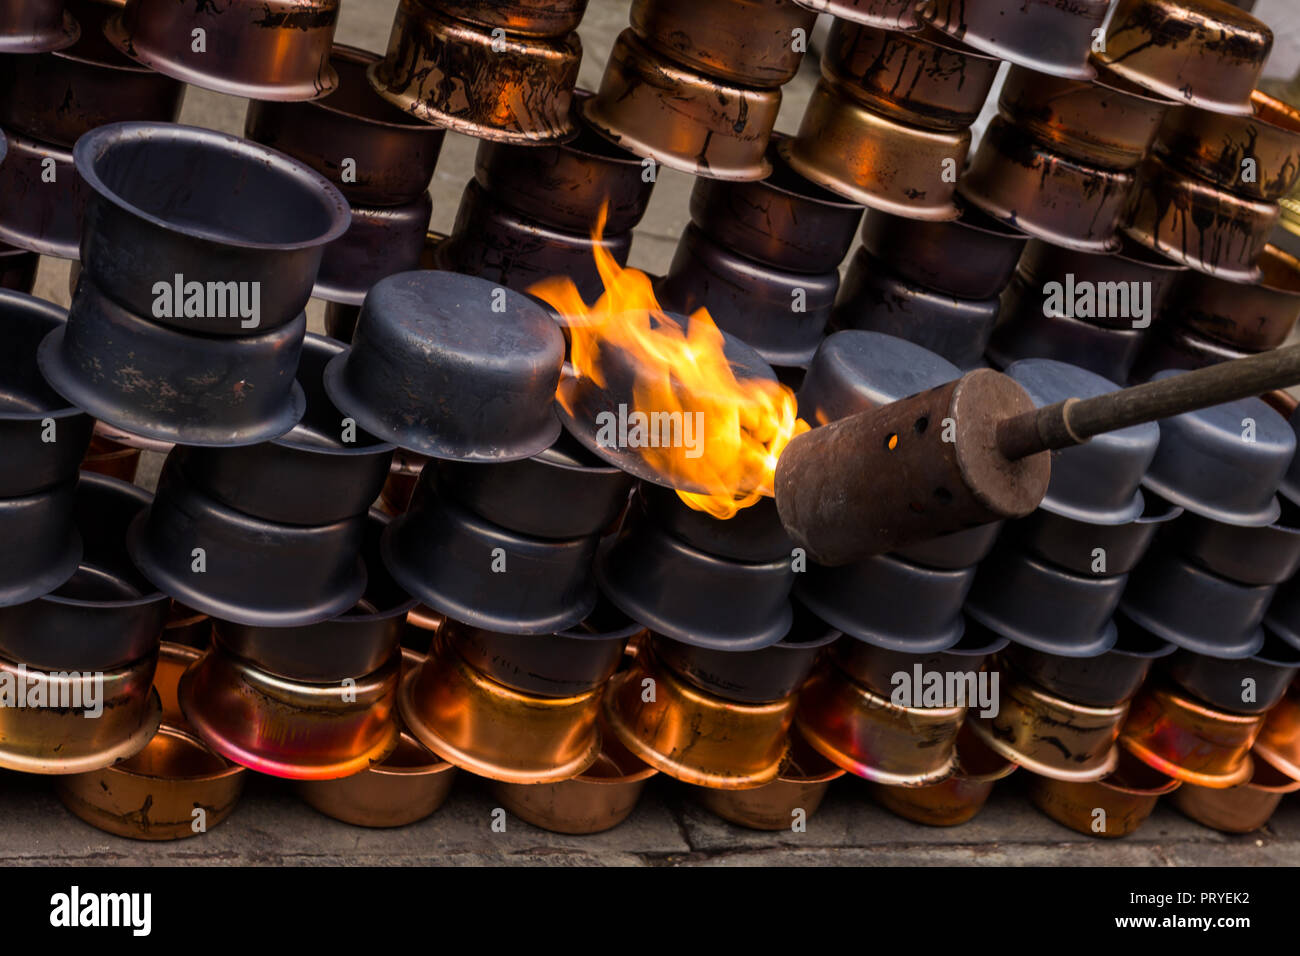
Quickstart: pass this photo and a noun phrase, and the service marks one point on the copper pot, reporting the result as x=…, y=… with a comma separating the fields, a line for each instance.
x=1046, y=36
x=454, y=74
x=959, y=798
x=652, y=107
x=1185, y=739
x=1125, y=797
x=1279, y=740
x=260, y=49
x=800, y=786
x=1240, y=809
x=1251, y=317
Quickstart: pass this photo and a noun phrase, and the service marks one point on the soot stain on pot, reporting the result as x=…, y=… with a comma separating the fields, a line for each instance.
x=296, y=19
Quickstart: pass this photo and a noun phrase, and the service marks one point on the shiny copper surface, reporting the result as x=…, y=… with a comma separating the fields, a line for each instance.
x=173, y=661
x=407, y=785
x=599, y=798
x=1126, y=796
x=1018, y=180
x=1050, y=736
x=869, y=736
x=804, y=778
x=1252, y=317
x=879, y=162
x=1189, y=741
x=285, y=728
x=1279, y=740
x=1205, y=53
x=37, y=738
x=490, y=730
x=654, y=108
x=959, y=798
x=691, y=735
x=514, y=89
x=1198, y=224
x=261, y=49
x=749, y=42
x=1240, y=809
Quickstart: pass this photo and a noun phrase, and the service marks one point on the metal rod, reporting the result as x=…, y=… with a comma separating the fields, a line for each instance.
x=1075, y=420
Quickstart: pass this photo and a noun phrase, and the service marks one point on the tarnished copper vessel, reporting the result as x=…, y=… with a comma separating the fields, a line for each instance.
x=1240, y=809
x=872, y=737
x=956, y=800
x=1047, y=36
x=493, y=731
x=1112, y=807
x=796, y=793
x=1252, y=317
x=1189, y=741
x=694, y=736
x=45, y=199
x=514, y=89
x=652, y=107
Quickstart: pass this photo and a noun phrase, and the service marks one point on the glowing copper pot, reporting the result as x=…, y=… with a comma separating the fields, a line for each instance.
x=1051, y=736
x=957, y=799
x=36, y=26
x=1189, y=741
x=1112, y=807
x=749, y=42
x=468, y=78
x=598, y=799
x=694, y=736
x=488, y=729
x=1241, y=809
x=276, y=50
x=651, y=106
x=870, y=736
x=286, y=728
x=795, y=794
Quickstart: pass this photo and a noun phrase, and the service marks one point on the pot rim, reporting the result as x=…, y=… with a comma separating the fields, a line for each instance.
x=424, y=770
x=246, y=151
x=130, y=66
x=119, y=750
x=230, y=770
x=31, y=303
x=363, y=57
x=335, y=348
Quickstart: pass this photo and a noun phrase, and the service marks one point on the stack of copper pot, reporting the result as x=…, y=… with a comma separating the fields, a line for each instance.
x=696, y=85
x=529, y=211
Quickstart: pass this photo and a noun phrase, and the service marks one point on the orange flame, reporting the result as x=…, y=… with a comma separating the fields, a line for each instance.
x=745, y=424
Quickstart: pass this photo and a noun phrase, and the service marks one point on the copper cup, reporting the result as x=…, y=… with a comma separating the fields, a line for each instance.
x=956, y=800
x=454, y=74
x=1189, y=741
x=1279, y=740
x=1201, y=52
x=1198, y=224
x=1050, y=736
x=1251, y=317
x=1109, y=122
x=801, y=784
x=747, y=42
x=260, y=49
x=872, y=737
x=923, y=78
x=285, y=728
x=1017, y=179
x=60, y=738
x=691, y=735
x=485, y=727
x=407, y=785
x=877, y=161
x=899, y=15
x=654, y=108
x=598, y=799
x=1125, y=797
x=1240, y=809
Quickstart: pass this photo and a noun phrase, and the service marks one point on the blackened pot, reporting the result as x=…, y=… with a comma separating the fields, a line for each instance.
x=481, y=574
x=44, y=205
x=783, y=221
x=392, y=155
x=1248, y=685
x=453, y=367
x=1093, y=549
x=357, y=642
x=769, y=673
x=691, y=596
x=313, y=475
x=43, y=437
x=36, y=26
x=972, y=257
x=889, y=602
x=752, y=534
x=175, y=386
x=58, y=97
x=1107, y=679
x=381, y=241
x=107, y=615
x=876, y=299
x=874, y=667
x=244, y=569
x=563, y=492
x=169, y=200
x=782, y=314
x=51, y=546
x=566, y=664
